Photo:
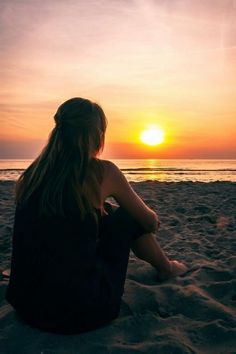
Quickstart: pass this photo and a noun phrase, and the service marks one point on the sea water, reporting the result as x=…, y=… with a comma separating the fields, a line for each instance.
x=150, y=169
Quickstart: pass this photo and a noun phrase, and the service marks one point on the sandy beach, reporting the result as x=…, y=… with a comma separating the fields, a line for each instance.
x=191, y=314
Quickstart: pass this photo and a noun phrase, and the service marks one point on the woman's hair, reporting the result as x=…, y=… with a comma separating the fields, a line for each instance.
x=67, y=175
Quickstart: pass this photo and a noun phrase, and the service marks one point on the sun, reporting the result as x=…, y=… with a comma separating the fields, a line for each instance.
x=152, y=136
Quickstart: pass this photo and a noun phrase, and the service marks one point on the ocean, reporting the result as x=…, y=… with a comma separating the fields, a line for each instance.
x=150, y=169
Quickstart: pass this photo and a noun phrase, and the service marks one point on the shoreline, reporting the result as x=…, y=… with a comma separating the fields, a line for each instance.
x=191, y=314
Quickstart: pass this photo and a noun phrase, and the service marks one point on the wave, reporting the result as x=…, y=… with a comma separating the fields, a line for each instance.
x=148, y=170
x=12, y=169
x=173, y=169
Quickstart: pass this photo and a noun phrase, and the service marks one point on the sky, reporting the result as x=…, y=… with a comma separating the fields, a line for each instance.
x=165, y=62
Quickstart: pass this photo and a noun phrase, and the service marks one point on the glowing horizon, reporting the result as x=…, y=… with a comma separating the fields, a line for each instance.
x=170, y=64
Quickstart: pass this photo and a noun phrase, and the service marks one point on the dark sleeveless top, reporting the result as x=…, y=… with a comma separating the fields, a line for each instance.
x=68, y=274
x=57, y=277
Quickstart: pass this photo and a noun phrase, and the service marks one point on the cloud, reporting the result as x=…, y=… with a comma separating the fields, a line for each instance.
x=129, y=55
x=18, y=149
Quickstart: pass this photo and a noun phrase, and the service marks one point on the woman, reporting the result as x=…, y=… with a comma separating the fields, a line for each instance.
x=70, y=248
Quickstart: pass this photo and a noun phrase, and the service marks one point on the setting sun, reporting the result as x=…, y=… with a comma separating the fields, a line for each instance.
x=152, y=136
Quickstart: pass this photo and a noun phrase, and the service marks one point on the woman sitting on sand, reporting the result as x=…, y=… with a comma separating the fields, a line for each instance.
x=70, y=248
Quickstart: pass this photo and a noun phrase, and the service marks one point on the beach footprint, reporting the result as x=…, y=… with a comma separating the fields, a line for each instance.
x=206, y=273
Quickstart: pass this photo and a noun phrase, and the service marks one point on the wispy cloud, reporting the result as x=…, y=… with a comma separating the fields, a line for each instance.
x=172, y=59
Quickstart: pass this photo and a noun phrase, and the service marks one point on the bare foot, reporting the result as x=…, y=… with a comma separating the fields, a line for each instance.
x=6, y=273
x=176, y=268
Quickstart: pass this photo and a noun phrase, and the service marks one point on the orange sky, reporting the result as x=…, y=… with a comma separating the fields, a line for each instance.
x=171, y=63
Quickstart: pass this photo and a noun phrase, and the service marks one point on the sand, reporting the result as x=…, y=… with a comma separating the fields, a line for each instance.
x=192, y=314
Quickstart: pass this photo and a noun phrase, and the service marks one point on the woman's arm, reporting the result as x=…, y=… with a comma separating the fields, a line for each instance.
x=115, y=185
x=145, y=247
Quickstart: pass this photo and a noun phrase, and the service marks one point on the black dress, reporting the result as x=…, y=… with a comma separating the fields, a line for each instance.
x=68, y=275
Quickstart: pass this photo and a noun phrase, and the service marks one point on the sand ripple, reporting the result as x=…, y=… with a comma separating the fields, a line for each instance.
x=191, y=314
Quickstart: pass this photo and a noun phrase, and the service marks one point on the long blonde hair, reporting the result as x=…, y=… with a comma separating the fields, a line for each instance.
x=67, y=166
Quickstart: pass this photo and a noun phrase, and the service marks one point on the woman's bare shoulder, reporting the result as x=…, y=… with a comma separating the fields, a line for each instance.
x=107, y=163
x=109, y=167
x=112, y=178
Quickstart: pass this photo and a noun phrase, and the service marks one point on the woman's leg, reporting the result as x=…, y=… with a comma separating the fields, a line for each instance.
x=118, y=230
x=120, y=233
x=148, y=249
